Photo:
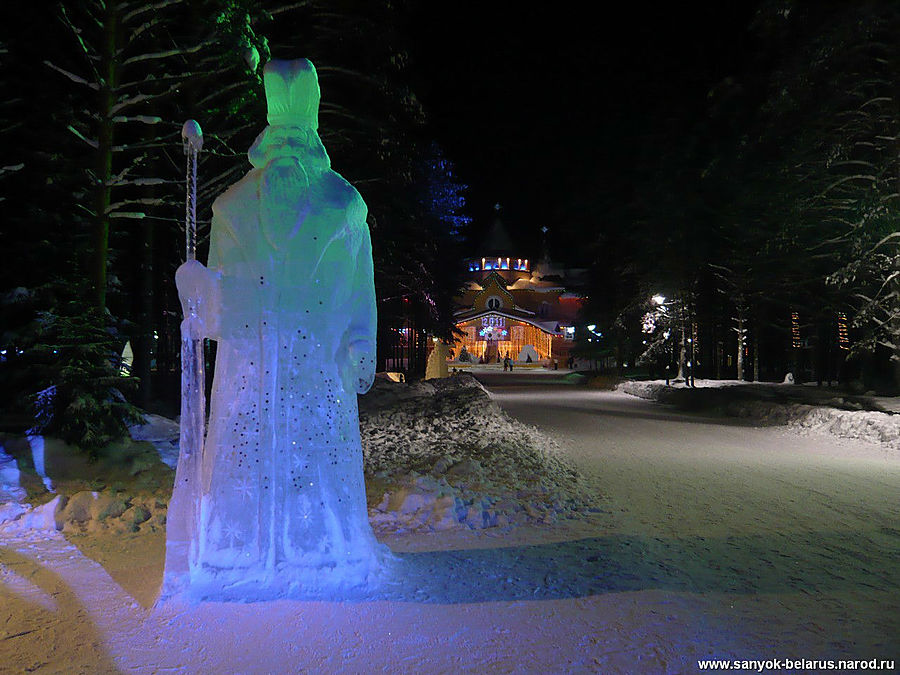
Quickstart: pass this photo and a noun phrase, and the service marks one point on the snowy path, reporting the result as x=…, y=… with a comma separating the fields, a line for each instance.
x=788, y=545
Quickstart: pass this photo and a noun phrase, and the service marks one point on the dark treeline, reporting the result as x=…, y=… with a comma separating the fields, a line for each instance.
x=94, y=96
x=766, y=215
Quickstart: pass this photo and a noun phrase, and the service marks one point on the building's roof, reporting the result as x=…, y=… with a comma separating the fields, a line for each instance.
x=532, y=285
x=515, y=314
x=497, y=241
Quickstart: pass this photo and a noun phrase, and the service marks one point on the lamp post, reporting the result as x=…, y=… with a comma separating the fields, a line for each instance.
x=592, y=329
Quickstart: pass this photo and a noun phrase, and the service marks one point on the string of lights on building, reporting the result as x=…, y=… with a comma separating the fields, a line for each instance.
x=795, y=330
x=843, y=335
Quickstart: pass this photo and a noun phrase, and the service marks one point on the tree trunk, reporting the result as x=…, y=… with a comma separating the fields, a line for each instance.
x=682, y=350
x=108, y=71
x=718, y=351
x=143, y=345
x=756, y=355
x=740, y=347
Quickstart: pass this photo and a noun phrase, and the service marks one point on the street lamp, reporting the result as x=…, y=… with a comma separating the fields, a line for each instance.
x=659, y=300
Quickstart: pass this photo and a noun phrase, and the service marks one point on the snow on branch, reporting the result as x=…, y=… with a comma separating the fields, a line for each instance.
x=846, y=179
x=148, y=201
x=288, y=8
x=136, y=33
x=218, y=92
x=89, y=141
x=877, y=99
x=136, y=215
x=165, y=54
x=77, y=33
x=854, y=162
x=146, y=119
x=141, y=9
x=141, y=182
x=155, y=142
x=892, y=235
x=177, y=78
x=355, y=74
x=140, y=98
x=73, y=76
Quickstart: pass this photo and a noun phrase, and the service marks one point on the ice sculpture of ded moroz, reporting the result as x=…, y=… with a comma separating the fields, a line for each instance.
x=278, y=506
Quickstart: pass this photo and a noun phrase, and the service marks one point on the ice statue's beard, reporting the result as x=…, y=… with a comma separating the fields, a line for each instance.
x=281, y=141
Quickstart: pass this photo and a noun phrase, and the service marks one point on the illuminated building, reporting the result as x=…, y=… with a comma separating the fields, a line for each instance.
x=512, y=305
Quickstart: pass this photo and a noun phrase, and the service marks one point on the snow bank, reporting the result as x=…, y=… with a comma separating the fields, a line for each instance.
x=865, y=425
x=163, y=433
x=20, y=518
x=441, y=454
x=838, y=416
x=438, y=455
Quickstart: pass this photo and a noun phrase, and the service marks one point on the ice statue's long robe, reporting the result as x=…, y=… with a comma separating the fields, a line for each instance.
x=282, y=497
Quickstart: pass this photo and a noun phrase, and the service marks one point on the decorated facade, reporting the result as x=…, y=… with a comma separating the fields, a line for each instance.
x=513, y=307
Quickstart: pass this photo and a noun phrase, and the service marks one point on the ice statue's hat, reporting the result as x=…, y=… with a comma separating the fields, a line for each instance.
x=292, y=93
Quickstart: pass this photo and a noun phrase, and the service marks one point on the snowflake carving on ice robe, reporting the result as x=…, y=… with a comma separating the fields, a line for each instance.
x=278, y=507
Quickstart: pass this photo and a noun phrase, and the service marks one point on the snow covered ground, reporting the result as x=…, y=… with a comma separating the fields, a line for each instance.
x=802, y=408
x=783, y=545
x=703, y=537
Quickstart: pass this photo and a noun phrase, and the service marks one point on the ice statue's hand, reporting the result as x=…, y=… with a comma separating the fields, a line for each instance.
x=192, y=280
x=192, y=327
x=360, y=372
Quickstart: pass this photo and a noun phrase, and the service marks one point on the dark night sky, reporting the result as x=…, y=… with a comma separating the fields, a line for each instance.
x=541, y=110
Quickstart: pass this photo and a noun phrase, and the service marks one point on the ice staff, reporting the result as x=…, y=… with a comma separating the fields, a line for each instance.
x=193, y=404
x=184, y=510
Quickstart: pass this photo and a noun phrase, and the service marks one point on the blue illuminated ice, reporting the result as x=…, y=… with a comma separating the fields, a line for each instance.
x=276, y=506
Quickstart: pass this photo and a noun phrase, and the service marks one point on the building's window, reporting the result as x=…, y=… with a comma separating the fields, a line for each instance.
x=568, y=332
x=544, y=309
x=494, y=302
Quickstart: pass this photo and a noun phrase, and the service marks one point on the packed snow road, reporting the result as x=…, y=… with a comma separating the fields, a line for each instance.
x=782, y=546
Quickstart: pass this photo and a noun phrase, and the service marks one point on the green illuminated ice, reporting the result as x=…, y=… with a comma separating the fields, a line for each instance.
x=278, y=507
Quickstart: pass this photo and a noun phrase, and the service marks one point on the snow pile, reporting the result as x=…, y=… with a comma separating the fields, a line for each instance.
x=124, y=489
x=163, y=433
x=441, y=454
x=837, y=416
x=651, y=390
x=20, y=518
x=864, y=425
x=86, y=512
